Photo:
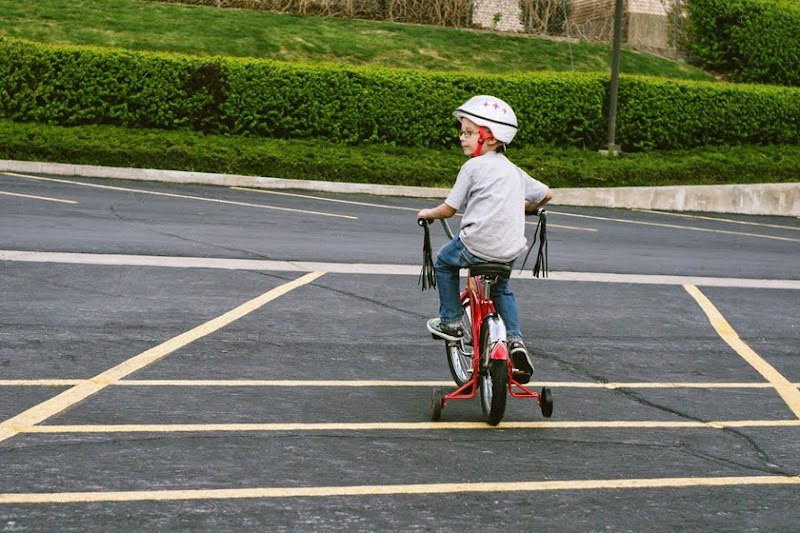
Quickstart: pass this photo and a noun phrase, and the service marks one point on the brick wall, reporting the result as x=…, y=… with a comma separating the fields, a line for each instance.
x=647, y=7
x=484, y=12
x=646, y=20
x=582, y=10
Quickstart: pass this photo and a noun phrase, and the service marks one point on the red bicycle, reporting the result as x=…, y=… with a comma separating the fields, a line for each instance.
x=483, y=367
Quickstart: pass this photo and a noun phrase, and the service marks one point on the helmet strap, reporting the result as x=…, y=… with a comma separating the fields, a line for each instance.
x=482, y=136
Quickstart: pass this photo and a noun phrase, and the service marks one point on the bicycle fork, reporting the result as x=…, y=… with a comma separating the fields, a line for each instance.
x=495, y=347
x=493, y=340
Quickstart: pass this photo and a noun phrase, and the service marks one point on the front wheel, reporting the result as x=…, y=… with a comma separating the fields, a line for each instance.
x=493, y=388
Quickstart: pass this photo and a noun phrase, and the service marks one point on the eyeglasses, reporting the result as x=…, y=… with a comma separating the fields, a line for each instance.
x=467, y=134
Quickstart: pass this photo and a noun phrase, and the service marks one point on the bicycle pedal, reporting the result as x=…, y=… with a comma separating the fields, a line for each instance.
x=521, y=376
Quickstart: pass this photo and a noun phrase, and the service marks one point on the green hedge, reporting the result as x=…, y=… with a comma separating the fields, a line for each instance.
x=671, y=115
x=82, y=85
x=372, y=105
x=78, y=85
x=750, y=40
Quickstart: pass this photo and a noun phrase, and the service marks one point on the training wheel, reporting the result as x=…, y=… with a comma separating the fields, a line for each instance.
x=546, y=402
x=437, y=397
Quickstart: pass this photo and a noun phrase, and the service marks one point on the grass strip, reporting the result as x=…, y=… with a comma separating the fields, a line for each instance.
x=209, y=31
x=318, y=160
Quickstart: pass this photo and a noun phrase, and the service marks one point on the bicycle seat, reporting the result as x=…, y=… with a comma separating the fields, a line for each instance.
x=501, y=270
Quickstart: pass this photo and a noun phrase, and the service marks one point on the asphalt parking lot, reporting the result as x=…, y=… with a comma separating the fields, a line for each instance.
x=198, y=358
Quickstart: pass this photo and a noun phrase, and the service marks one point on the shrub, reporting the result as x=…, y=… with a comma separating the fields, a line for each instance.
x=750, y=40
x=670, y=115
x=371, y=105
x=72, y=85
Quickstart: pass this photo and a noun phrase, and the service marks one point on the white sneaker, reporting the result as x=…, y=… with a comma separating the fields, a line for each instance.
x=522, y=361
x=450, y=332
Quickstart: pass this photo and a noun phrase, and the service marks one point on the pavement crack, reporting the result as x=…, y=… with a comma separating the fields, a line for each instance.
x=767, y=468
x=186, y=239
x=373, y=301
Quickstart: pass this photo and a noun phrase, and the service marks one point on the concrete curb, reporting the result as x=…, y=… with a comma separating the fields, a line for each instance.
x=778, y=199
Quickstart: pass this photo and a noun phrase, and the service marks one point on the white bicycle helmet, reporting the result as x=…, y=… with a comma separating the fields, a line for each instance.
x=492, y=113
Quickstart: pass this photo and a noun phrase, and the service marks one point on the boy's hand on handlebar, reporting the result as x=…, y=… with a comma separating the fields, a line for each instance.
x=532, y=209
x=537, y=209
x=439, y=212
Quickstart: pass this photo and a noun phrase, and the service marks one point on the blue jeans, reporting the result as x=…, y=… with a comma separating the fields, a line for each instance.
x=454, y=256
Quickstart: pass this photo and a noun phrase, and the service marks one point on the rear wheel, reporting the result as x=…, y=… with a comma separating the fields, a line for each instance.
x=459, y=353
x=493, y=389
x=460, y=361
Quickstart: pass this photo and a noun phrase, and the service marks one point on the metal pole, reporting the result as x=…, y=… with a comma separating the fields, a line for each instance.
x=613, y=88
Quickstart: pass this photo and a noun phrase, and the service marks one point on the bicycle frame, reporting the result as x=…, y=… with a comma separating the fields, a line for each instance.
x=486, y=321
x=490, y=355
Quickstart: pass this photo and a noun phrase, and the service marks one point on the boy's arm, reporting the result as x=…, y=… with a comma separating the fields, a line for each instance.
x=530, y=207
x=441, y=211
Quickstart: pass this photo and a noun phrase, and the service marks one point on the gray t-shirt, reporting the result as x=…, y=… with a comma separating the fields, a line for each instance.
x=492, y=191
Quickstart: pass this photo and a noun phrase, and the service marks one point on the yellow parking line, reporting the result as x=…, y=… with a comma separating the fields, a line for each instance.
x=379, y=383
x=400, y=426
x=183, y=196
x=83, y=390
x=45, y=198
x=387, y=490
x=783, y=386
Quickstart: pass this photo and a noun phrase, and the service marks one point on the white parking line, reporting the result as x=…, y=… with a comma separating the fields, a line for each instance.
x=373, y=268
x=183, y=196
x=372, y=204
x=675, y=226
x=718, y=219
x=33, y=197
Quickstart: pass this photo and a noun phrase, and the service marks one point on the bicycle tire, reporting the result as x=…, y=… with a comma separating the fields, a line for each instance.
x=436, y=404
x=547, y=402
x=493, y=388
x=459, y=355
x=459, y=362
x=493, y=381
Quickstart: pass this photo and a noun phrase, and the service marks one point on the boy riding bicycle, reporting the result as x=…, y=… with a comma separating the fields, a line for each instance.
x=495, y=195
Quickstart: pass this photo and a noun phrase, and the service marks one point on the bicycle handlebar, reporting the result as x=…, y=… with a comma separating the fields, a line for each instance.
x=424, y=222
x=427, y=277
